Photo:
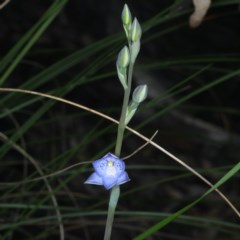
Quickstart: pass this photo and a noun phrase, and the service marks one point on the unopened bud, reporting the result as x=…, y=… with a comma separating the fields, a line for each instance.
x=140, y=93
x=126, y=15
x=123, y=58
x=136, y=31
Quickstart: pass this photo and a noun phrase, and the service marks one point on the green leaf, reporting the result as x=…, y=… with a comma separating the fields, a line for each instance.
x=175, y=215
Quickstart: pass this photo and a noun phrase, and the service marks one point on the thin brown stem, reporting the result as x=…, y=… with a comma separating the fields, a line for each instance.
x=50, y=190
x=131, y=130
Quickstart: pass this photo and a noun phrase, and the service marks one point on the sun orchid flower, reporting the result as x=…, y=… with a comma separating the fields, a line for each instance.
x=109, y=171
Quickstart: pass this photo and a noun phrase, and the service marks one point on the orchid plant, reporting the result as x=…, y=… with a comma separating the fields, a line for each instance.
x=110, y=169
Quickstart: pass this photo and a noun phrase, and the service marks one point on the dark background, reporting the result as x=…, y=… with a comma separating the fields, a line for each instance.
x=202, y=137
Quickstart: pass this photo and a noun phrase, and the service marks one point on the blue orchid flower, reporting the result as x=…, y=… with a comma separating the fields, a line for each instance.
x=109, y=172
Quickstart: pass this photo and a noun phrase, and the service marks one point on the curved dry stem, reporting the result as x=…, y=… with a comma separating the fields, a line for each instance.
x=2, y=5
x=131, y=130
x=22, y=142
x=72, y=166
x=141, y=147
x=50, y=190
x=45, y=176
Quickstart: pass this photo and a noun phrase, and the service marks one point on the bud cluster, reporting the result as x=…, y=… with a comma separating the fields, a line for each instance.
x=126, y=59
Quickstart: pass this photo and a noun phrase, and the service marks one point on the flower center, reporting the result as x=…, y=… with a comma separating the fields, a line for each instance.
x=110, y=164
x=111, y=170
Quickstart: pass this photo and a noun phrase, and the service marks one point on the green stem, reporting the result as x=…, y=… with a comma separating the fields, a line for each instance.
x=115, y=192
x=122, y=125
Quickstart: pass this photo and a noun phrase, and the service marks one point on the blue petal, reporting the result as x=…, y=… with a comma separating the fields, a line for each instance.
x=123, y=178
x=100, y=166
x=94, y=178
x=109, y=182
x=119, y=166
x=110, y=157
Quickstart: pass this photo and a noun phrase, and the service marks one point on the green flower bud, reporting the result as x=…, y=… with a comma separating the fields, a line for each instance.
x=122, y=75
x=140, y=93
x=131, y=110
x=123, y=58
x=126, y=15
x=136, y=31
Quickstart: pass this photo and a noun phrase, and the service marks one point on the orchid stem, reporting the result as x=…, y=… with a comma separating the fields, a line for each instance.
x=115, y=191
x=122, y=125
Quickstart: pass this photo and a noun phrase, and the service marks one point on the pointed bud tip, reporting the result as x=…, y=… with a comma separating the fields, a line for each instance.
x=126, y=15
